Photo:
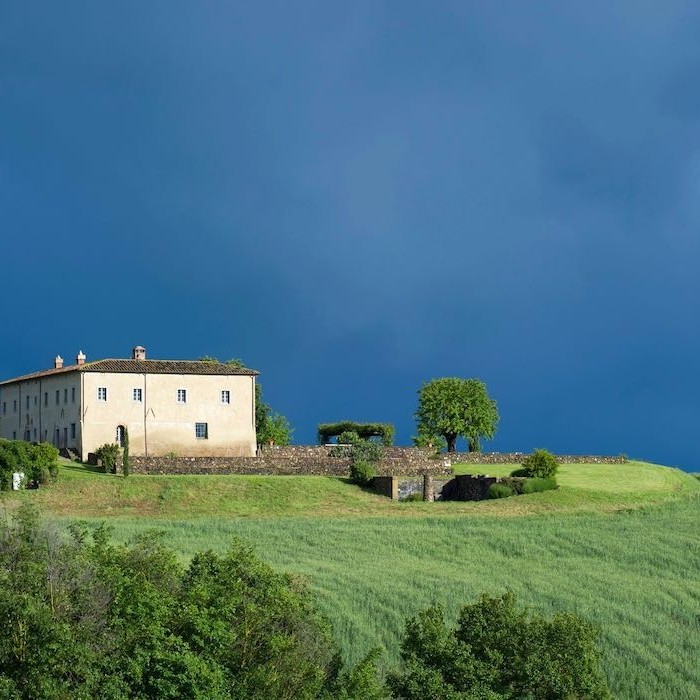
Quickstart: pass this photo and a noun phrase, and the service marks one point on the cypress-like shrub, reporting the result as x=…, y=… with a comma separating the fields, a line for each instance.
x=126, y=465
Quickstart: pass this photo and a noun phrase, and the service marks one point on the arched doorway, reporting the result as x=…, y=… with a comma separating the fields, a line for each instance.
x=119, y=438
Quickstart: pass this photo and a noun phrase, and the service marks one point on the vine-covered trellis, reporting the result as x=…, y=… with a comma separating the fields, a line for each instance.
x=384, y=431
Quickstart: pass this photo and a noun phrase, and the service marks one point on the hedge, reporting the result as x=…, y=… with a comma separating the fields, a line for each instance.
x=385, y=431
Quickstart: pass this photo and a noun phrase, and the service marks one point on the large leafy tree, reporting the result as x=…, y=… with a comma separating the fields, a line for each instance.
x=452, y=407
x=270, y=427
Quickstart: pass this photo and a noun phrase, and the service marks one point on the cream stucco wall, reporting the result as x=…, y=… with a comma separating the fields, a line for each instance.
x=159, y=424
x=43, y=410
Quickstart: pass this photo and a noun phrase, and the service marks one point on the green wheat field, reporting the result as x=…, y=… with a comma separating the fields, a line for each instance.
x=617, y=544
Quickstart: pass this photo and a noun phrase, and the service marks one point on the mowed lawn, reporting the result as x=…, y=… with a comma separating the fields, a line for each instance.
x=618, y=544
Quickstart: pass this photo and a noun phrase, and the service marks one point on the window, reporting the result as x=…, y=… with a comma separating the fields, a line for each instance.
x=14, y=434
x=182, y=395
x=46, y=399
x=201, y=431
x=65, y=396
x=36, y=398
x=4, y=406
x=72, y=395
x=72, y=431
x=34, y=434
x=27, y=403
x=101, y=393
x=225, y=396
x=58, y=396
x=138, y=395
x=14, y=406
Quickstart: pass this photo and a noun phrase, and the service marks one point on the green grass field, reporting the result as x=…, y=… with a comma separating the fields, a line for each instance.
x=617, y=544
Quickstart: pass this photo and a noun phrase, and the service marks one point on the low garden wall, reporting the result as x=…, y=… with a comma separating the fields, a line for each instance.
x=319, y=461
x=518, y=457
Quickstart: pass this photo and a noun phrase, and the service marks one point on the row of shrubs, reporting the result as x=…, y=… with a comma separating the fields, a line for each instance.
x=38, y=461
x=517, y=487
x=537, y=473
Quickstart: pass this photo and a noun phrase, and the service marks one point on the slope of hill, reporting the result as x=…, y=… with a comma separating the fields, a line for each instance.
x=81, y=491
x=617, y=544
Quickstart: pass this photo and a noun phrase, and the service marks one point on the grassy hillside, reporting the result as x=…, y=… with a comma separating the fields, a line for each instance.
x=618, y=544
x=84, y=492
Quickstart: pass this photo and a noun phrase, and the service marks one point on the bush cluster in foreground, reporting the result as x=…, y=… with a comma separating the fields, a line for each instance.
x=85, y=618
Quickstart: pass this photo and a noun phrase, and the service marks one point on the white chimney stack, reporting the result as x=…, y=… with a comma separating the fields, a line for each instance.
x=58, y=362
x=80, y=358
x=138, y=353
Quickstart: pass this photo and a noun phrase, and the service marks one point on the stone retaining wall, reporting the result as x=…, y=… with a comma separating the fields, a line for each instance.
x=465, y=487
x=319, y=460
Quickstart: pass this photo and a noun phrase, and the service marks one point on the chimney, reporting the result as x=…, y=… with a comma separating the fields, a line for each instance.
x=58, y=362
x=138, y=353
x=80, y=358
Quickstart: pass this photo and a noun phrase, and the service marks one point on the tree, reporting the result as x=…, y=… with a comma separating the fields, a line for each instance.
x=270, y=428
x=277, y=430
x=126, y=463
x=499, y=652
x=454, y=407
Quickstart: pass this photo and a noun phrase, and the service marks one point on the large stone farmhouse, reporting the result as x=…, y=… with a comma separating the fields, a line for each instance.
x=189, y=408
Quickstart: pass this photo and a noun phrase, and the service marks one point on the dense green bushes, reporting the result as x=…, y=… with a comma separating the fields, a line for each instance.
x=38, y=462
x=537, y=485
x=517, y=486
x=540, y=464
x=536, y=474
x=362, y=472
x=498, y=651
x=83, y=617
x=86, y=618
x=499, y=490
x=108, y=455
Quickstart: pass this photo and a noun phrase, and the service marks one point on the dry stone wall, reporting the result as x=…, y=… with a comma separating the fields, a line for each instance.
x=518, y=457
x=465, y=487
x=320, y=461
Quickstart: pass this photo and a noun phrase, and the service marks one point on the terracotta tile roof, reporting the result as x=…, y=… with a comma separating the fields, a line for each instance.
x=165, y=367
x=141, y=366
x=41, y=374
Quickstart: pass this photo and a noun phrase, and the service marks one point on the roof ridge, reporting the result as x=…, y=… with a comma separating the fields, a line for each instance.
x=126, y=365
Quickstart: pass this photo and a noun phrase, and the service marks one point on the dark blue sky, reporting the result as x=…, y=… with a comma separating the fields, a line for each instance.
x=358, y=197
